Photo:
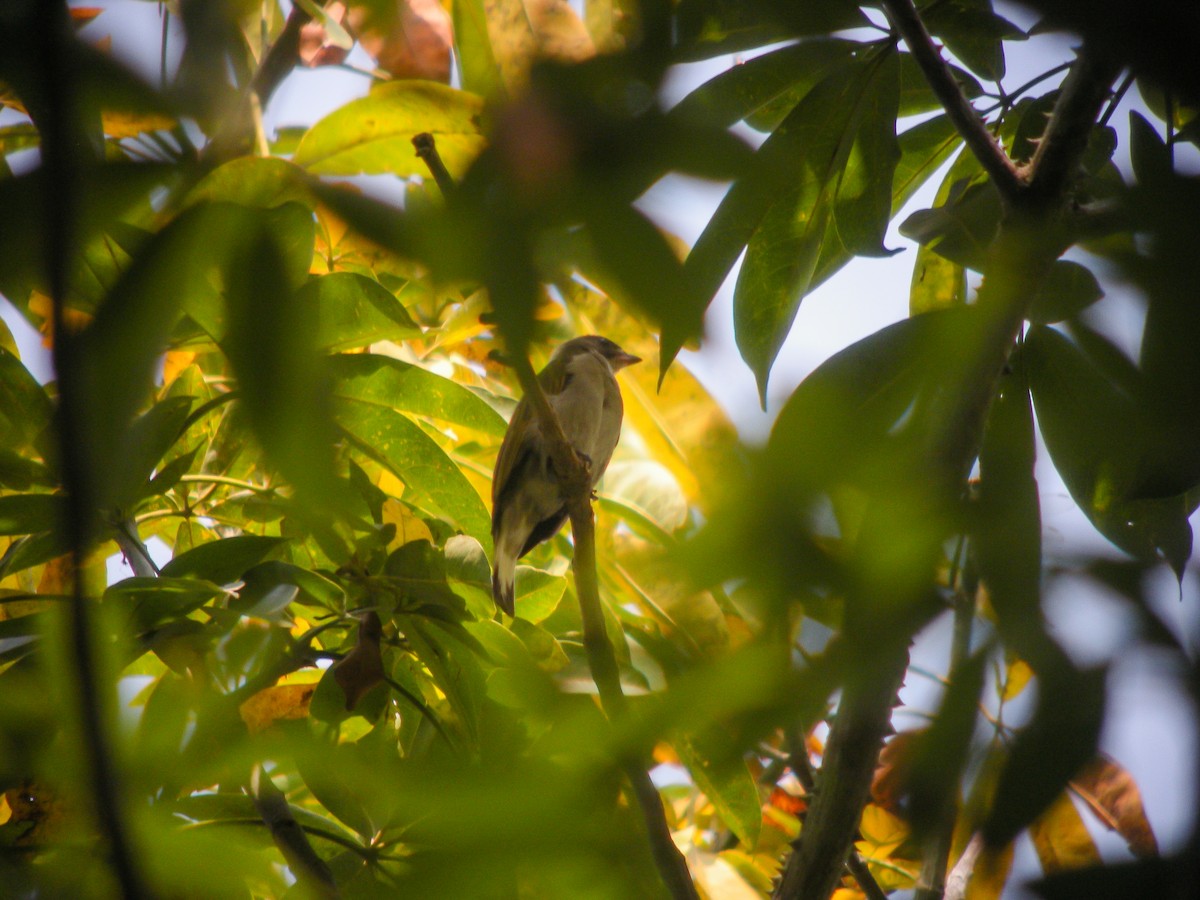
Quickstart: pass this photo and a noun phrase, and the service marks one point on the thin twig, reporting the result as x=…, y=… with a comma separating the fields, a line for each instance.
x=904, y=18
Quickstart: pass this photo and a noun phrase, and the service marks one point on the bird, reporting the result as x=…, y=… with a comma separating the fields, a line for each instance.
x=528, y=503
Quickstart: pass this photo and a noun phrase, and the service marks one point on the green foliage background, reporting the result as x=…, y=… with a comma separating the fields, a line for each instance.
x=293, y=386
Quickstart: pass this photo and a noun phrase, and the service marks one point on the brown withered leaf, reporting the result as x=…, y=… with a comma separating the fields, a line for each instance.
x=415, y=43
x=276, y=703
x=1061, y=839
x=559, y=31
x=316, y=49
x=890, y=782
x=362, y=668
x=1111, y=793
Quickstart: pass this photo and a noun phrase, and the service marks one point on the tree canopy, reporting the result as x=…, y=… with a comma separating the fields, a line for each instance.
x=279, y=399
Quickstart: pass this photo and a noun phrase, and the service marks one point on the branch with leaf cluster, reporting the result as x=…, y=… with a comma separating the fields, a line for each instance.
x=1031, y=237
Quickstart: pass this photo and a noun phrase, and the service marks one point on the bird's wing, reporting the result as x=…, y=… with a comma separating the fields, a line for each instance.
x=516, y=444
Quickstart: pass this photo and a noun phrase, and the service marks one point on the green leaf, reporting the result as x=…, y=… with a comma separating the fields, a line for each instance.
x=923, y=149
x=373, y=135
x=387, y=383
x=266, y=577
x=632, y=251
x=937, y=283
x=917, y=97
x=538, y=593
x=746, y=203
x=973, y=33
x=765, y=89
x=725, y=779
x=963, y=229
x=1067, y=290
x=707, y=28
x=477, y=63
x=30, y=513
x=417, y=571
x=20, y=473
x=25, y=409
x=943, y=751
x=851, y=109
x=281, y=384
x=261, y=182
x=108, y=193
x=435, y=482
x=1098, y=437
x=1007, y=537
x=1049, y=751
x=353, y=311
x=149, y=601
x=454, y=666
x=223, y=561
x=151, y=435
x=1148, y=152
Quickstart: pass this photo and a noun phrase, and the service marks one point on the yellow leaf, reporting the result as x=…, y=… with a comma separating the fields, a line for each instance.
x=282, y=701
x=118, y=123
x=990, y=874
x=174, y=362
x=513, y=42
x=42, y=306
x=559, y=31
x=408, y=527
x=1111, y=793
x=1061, y=838
x=1016, y=679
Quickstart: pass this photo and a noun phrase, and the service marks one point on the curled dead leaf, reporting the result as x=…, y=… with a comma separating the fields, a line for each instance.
x=362, y=668
x=1111, y=793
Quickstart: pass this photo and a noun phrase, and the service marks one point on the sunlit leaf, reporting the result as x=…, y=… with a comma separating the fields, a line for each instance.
x=374, y=135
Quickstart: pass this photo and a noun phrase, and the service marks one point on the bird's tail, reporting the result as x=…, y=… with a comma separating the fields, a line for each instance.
x=504, y=582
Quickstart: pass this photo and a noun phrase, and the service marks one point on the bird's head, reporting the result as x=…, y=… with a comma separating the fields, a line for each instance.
x=593, y=343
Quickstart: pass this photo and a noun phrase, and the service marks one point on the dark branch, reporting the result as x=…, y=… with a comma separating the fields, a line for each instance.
x=1003, y=172
x=427, y=150
x=1086, y=88
x=282, y=57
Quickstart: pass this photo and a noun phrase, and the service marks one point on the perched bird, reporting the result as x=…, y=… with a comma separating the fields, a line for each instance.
x=528, y=506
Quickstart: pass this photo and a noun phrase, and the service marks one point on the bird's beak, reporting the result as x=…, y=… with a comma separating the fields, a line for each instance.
x=625, y=359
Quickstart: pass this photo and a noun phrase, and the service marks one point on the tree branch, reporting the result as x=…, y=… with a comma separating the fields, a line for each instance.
x=855, y=864
x=1087, y=86
x=67, y=148
x=576, y=483
x=310, y=870
x=1004, y=174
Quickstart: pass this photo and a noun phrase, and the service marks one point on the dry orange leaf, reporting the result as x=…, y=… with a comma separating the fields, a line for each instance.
x=1111, y=793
